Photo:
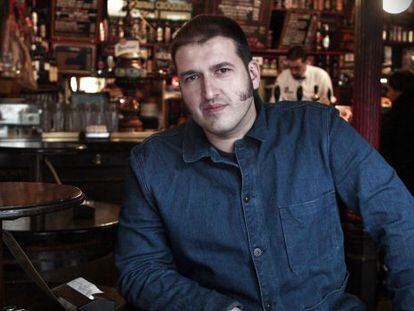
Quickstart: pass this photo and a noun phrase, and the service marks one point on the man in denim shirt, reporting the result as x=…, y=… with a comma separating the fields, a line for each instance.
x=236, y=209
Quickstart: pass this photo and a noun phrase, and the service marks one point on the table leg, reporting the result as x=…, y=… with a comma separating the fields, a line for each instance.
x=2, y=282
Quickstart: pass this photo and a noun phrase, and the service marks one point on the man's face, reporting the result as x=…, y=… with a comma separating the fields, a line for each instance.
x=297, y=68
x=217, y=88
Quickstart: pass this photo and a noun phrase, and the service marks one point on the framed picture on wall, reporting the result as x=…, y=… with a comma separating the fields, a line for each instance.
x=75, y=58
x=76, y=20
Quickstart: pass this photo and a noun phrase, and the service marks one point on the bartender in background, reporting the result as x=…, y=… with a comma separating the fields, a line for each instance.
x=301, y=81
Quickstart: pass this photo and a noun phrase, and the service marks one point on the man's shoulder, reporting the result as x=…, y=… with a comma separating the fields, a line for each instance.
x=290, y=117
x=161, y=142
x=296, y=107
x=318, y=70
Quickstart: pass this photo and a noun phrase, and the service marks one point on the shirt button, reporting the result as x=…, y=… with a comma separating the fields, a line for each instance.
x=246, y=198
x=268, y=306
x=257, y=252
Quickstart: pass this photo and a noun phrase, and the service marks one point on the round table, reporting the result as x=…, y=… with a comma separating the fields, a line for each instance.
x=65, y=238
x=39, y=149
x=20, y=199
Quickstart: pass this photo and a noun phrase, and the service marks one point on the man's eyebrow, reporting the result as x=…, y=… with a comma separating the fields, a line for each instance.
x=187, y=73
x=220, y=65
x=214, y=67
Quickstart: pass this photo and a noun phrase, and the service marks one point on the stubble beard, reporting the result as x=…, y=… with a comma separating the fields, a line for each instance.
x=224, y=130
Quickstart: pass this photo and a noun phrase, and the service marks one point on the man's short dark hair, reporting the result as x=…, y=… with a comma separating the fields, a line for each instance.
x=297, y=52
x=204, y=27
x=403, y=81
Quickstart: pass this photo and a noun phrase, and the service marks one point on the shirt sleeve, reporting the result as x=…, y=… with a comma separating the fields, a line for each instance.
x=147, y=275
x=368, y=184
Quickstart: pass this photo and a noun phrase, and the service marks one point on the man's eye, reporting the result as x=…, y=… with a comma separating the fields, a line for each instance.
x=223, y=70
x=191, y=78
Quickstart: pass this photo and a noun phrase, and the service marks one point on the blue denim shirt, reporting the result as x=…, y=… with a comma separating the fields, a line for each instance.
x=200, y=231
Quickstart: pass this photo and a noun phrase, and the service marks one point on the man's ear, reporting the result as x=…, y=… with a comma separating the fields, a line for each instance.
x=254, y=72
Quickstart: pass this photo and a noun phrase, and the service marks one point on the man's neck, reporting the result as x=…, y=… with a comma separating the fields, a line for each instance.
x=223, y=144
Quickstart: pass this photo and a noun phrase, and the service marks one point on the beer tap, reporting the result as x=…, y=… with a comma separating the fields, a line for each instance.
x=299, y=93
x=315, y=96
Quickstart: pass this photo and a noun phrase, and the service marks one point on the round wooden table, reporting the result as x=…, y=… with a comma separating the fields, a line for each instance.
x=20, y=199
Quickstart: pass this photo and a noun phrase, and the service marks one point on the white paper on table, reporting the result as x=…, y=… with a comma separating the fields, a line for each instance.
x=84, y=287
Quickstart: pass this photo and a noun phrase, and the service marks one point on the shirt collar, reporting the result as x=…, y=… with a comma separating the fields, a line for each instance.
x=196, y=145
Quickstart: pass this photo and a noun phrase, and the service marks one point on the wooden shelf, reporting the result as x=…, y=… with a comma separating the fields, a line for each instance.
x=323, y=12
x=396, y=43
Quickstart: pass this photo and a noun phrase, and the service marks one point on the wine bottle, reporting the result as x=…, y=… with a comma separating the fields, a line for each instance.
x=326, y=41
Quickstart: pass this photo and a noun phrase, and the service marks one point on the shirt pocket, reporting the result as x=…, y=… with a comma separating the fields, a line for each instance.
x=310, y=231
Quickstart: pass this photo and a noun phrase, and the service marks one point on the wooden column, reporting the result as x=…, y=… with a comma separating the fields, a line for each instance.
x=368, y=58
x=366, y=119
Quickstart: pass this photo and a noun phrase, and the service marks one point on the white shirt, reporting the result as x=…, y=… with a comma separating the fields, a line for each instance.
x=313, y=76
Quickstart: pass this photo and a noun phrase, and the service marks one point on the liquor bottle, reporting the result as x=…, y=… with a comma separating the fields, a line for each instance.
x=110, y=65
x=121, y=29
x=135, y=30
x=100, y=68
x=152, y=34
x=160, y=34
x=167, y=33
x=339, y=5
x=320, y=4
x=318, y=37
x=326, y=41
x=39, y=48
x=53, y=71
x=384, y=33
x=143, y=34
x=327, y=5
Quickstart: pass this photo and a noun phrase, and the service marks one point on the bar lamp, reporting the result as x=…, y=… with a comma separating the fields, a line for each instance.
x=395, y=6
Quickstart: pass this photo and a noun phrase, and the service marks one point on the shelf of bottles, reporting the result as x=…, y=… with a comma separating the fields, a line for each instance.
x=325, y=6
x=44, y=65
x=394, y=34
x=151, y=85
x=29, y=33
x=154, y=36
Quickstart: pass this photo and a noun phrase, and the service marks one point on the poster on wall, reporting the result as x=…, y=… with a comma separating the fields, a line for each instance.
x=298, y=29
x=75, y=58
x=75, y=19
x=252, y=15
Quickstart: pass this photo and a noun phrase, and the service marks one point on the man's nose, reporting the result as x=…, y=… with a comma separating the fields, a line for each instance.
x=209, y=88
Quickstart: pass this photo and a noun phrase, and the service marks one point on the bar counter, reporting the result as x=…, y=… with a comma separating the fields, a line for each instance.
x=97, y=168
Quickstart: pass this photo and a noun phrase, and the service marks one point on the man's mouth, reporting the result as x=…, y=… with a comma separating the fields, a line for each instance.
x=213, y=108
